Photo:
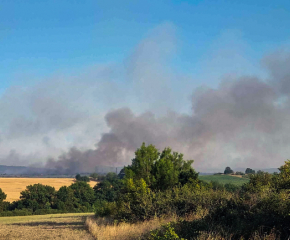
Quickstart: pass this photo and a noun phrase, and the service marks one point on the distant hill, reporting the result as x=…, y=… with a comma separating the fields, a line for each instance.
x=21, y=170
x=32, y=171
x=269, y=170
x=13, y=169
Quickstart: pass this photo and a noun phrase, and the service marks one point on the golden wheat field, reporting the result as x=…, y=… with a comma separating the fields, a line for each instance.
x=69, y=226
x=13, y=186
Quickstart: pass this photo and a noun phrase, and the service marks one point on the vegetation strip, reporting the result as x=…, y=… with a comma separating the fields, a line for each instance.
x=159, y=185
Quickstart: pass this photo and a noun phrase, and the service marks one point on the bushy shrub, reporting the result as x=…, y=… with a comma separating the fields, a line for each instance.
x=241, y=217
x=249, y=171
x=16, y=212
x=166, y=232
x=230, y=187
x=82, y=178
x=259, y=182
x=141, y=203
x=215, y=185
x=104, y=208
x=94, y=176
x=108, y=190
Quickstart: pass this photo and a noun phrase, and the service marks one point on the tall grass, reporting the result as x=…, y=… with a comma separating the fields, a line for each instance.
x=106, y=229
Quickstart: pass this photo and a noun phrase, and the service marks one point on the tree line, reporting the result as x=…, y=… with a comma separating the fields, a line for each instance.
x=228, y=170
x=161, y=184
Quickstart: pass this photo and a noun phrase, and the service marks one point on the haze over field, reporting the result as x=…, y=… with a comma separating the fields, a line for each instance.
x=227, y=105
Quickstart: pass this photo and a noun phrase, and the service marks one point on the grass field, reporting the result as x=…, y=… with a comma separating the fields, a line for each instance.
x=13, y=186
x=223, y=179
x=55, y=226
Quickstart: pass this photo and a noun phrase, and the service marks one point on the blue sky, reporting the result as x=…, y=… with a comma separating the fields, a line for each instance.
x=39, y=38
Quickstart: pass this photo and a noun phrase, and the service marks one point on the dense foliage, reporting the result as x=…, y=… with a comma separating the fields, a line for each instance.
x=249, y=171
x=260, y=207
x=160, y=171
x=41, y=199
x=162, y=184
x=228, y=170
x=82, y=178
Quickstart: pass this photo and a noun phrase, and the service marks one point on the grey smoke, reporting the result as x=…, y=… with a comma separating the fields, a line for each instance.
x=244, y=122
x=240, y=121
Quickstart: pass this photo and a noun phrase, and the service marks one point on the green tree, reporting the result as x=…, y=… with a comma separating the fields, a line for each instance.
x=2, y=196
x=108, y=191
x=3, y=205
x=83, y=193
x=66, y=199
x=282, y=180
x=94, y=176
x=160, y=171
x=78, y=177
x=82, y=178
x=228, y=170
x=250, y=171
x=38, y=196
x=143, y=162
x=259, y=182
x=111, y=177
x=165, y=171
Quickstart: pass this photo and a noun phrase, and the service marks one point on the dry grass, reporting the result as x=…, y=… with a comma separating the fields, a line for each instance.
x=13, y=186
x=57, y=226
x=239, y=176
x=104, y=229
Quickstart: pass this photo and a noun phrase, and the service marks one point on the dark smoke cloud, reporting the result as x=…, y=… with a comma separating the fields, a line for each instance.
x=244, y=122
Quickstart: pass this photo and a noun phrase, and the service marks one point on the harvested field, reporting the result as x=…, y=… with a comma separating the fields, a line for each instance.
x=13, y=186
x=56, y=226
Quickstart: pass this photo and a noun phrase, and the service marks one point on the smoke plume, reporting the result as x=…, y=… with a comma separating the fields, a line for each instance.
x=103, y=115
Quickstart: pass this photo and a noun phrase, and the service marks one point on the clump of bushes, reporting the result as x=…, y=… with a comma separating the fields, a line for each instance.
x=82, y=178
x=162, y=184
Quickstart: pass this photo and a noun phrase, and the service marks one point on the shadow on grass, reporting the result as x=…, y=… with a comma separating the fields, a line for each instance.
x=72, y=225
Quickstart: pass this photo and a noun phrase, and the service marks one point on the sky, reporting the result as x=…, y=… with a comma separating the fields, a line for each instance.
x=66, y=65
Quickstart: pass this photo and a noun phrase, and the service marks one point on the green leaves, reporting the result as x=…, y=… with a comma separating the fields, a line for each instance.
x=228, y=170
x=2, y=196
x=144, y=160
x=38, y=196
x=160, y=171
